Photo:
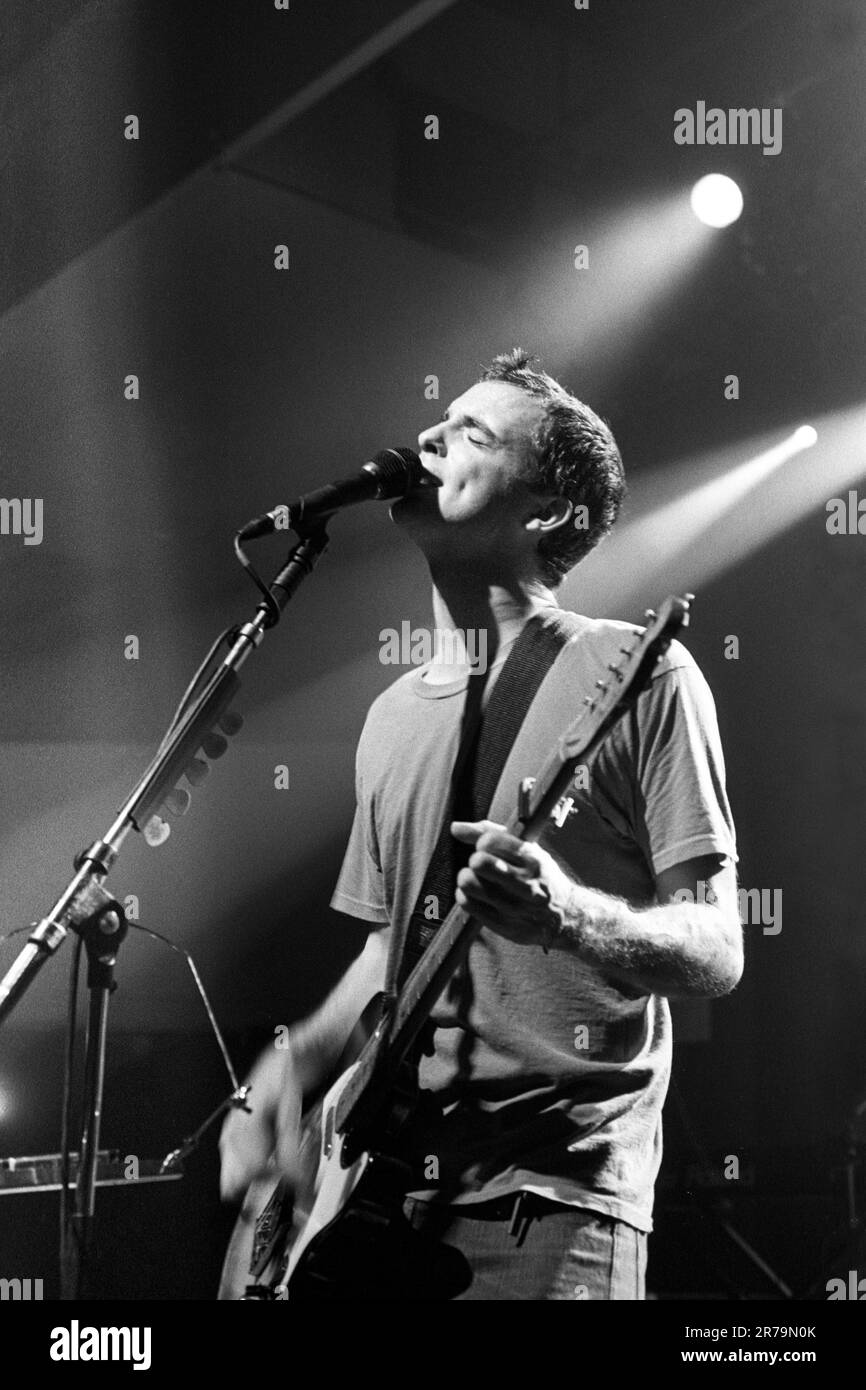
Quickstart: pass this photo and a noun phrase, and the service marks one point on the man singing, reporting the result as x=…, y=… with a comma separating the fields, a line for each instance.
x=547, y=1058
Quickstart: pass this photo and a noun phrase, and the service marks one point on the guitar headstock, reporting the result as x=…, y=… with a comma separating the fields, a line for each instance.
x=627, y=676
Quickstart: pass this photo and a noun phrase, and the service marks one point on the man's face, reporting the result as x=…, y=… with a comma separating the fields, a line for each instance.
x=479, y=452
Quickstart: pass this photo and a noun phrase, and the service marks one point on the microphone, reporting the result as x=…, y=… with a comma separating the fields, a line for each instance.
x=391, y=473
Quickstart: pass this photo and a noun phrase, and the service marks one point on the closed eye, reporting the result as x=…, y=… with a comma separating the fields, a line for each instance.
x=470, y=423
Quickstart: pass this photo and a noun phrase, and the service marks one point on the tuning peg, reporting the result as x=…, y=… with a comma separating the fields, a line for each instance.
x=196, y=772
x=214, y=745
x=617, y=670
x=651, y=614
x=231, y=721
x=178, y=801
x=156, y=831
x=601, y=685
x=588, y=700
x=626, y=651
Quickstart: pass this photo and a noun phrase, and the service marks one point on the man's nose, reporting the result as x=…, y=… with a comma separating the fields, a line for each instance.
x=430, y=441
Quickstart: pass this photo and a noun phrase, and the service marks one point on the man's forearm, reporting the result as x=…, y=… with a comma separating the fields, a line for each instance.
x=317, y=1041
x=677, y=949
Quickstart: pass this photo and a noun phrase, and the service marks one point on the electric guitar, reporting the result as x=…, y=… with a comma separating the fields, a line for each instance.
x=342, y=1234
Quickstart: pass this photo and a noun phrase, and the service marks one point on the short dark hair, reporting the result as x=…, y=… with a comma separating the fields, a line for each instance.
x=576, y=457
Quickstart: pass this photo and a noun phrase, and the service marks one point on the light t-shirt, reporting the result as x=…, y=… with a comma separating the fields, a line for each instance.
x=545, y=1075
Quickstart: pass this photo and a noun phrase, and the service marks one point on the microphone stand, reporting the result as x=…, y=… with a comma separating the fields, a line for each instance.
x=87, y=908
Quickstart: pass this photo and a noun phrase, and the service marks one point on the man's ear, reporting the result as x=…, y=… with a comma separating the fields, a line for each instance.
x=549, y=517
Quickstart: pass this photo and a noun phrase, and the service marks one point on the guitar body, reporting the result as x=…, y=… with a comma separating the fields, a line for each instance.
x=343, y=1236
x=335, y=1182
x=274, y=1215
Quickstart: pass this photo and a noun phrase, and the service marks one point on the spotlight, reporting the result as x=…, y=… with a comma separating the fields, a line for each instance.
x=716, y=200
x=805, y=437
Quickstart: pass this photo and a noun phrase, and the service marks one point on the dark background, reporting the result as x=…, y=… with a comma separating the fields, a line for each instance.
x=412, y=257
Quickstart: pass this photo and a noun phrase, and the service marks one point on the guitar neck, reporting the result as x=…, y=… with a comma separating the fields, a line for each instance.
x=440, y=961
x=453, y=939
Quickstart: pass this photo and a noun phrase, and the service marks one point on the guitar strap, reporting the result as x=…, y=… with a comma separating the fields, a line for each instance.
x=487, y=738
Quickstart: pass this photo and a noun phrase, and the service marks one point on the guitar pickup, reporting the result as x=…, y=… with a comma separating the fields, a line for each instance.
x=524, y=798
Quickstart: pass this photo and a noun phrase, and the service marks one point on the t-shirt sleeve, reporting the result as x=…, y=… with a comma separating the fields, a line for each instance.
x=360, y=889
x=679, y=805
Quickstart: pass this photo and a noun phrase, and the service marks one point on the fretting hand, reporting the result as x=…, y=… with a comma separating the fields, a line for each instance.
x=514, y=888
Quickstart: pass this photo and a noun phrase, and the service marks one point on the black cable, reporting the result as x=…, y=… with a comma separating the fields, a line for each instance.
x=66, y=1233
x=181, y=951
x=270, y=603
x=198, y=679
